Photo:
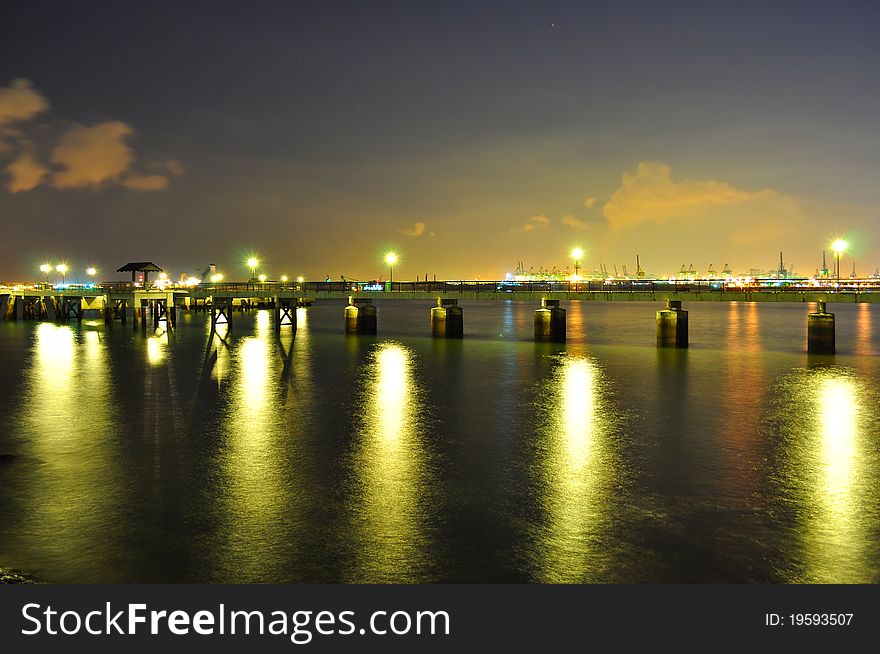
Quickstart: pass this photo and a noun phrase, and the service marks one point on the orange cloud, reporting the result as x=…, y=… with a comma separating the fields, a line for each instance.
x=535, y=221
x=417, y=229
x=573, y=221
x=25, y=172
x=649, y=194
x=20, y=101
x=96, y=156
x=145, y=182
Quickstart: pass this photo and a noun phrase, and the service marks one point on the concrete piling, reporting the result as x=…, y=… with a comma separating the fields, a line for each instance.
x=672, y=325
x=820, y=331
x=447, y=320
x=550, y=322
x=360, y=316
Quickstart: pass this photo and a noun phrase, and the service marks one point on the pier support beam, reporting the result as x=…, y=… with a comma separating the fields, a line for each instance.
x=672, y=325
x=447, y=320
x=550, y=322
x=285, y=313
x=820, y=331
x=360, y=317
x=221, y=312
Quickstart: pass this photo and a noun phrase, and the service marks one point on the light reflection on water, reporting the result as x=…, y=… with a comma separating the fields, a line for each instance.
x=828, y=431
x=252, y=471
x=73, y=504
x=258, y=456
x=389, y=466
x=576, y=467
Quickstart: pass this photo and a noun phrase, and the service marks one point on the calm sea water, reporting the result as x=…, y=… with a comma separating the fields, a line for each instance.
x=398, y=458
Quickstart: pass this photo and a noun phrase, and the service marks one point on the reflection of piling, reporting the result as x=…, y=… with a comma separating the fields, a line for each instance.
x=550, y=322
x=447, y=320
x=820, y=331
x=360, y=317
x=672, y=325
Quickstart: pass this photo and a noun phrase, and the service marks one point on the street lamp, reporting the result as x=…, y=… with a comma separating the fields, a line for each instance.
x=577, y=254
x=62, y=268
x=216, y=277
x=252, y=264
x=262, y=279
x=300, y=279
x=46, y=269
x=839, y=247
x=391, y=259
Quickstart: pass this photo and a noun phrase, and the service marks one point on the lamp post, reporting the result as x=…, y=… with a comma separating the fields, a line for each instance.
x=391, y=259
x=839, y=247
x=91, y=271
x=46, y=269
x=62, y=268
x=252, y=264
x=577, y=254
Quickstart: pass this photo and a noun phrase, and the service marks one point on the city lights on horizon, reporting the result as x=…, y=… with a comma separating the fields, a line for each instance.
x=581, y=270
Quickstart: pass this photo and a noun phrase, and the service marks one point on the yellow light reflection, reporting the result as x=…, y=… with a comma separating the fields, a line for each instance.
x=837, y=412
x=70, y=414
x=832, y=489
x=576, y=473
x=390, y=464
x=157, y=349
x=254, y=464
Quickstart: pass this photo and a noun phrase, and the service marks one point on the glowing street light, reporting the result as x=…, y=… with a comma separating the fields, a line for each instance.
x=300, y=279
x=252, y=263
x=46, y=269
x=216, y=277
x=577, y=254
x=839, y=247
x=91, y=271
x=62, y=268
x=283, y=279
x=391, y=259
x=262, y=279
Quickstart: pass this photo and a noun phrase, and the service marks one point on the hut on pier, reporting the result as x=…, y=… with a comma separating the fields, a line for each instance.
x=145, y=267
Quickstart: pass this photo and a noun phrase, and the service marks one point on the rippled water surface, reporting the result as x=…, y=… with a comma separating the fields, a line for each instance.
x=398, y=458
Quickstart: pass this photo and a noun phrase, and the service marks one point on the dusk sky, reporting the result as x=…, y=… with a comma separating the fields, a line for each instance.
x=465, y=136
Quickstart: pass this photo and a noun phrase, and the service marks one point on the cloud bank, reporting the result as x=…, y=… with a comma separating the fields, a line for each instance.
x=84, y=157
x=649, y=194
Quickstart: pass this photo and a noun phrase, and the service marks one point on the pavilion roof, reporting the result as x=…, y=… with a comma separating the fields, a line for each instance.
x=140, y=266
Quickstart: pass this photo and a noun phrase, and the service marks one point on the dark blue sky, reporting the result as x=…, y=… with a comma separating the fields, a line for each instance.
x=467, y=136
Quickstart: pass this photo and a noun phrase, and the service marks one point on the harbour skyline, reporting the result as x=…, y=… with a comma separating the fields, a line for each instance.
x=467, y=140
